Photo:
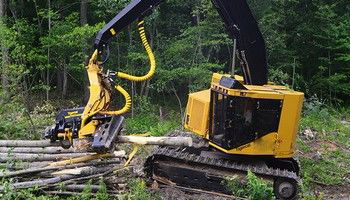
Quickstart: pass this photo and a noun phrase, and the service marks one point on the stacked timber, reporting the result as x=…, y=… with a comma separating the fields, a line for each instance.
x=54, y=170
x=51, y=169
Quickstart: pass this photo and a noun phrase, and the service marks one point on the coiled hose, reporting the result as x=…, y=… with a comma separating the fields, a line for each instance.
x=150, y=56
x=127, y=104
x=149, y=75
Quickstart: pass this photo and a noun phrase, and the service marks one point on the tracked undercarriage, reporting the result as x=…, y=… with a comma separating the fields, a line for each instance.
x=206, y=169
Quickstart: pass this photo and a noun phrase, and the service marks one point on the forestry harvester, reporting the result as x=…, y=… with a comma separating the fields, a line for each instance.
x=248, y=122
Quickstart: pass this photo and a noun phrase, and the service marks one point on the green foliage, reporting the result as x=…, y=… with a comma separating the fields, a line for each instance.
x=307, y=195
x=138, y=191
x=17, y=40
x=278, y=76
x=151, y=123
x=17, y=122
x=327, y=122
x=189, y=41
x=29, y=194
x=147, y=120
x=328, y=171
x=255, y=188
x=102, y=193
x=324, y=158
x=34, y=193
x=86, y=194
x=313, y=38
x=66, y=41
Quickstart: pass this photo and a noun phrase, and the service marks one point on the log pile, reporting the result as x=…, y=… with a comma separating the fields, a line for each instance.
x=59, y=171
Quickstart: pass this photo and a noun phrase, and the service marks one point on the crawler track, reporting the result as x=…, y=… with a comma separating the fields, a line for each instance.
x=205, y=169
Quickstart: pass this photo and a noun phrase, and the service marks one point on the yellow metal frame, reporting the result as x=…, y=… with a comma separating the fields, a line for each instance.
x=100, y=94
x=280, y=144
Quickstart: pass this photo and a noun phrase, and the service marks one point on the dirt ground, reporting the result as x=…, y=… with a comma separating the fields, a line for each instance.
x=335, y=192
x=177, y=194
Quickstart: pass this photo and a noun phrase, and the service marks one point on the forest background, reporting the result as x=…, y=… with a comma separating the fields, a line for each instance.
x=45, y=45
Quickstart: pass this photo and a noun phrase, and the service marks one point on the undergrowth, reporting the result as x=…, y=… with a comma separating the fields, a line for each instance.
x=138, y=191
x=152, y=124
x=147, y=120
x=254, y=189
x=20, y=123
x=35, y=193
x=324, y=156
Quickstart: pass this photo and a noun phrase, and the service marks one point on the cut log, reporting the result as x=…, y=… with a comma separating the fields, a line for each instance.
x=28, y=143
x=77, y=194
x=75, y=171
x=40, y=182
x=116, y=154
x=172, y=141
x=4, y=157
x=79, y=188
x=50, y=168
x=24, y=165
x=89, y=177
x=47, y=150
x=86, y=171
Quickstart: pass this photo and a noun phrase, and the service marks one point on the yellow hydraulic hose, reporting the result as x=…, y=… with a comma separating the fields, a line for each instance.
x=150, y=55
x=134, y=78
x=126, y=106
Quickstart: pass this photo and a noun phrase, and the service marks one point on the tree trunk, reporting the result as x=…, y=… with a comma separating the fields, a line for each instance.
x=147, y=87
x=83, y=12
x=118, y=53
x=64, y=89
x=178, y=98
x=4, y=73
x=83, y=21
x=25, y=93
x=132, y=98
x=143, y=85
x=59, y=78
x=48, y=56
x=5, y=53
x=22, y=7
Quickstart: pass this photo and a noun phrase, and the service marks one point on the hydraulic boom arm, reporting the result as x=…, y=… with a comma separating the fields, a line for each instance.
x=238, y=20
x=135, y=10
